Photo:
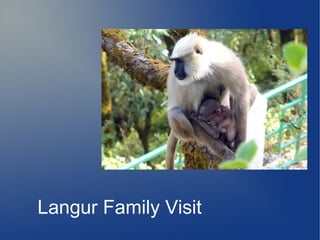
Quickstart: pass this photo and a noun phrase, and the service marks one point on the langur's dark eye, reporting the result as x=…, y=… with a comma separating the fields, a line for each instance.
x=198, y=50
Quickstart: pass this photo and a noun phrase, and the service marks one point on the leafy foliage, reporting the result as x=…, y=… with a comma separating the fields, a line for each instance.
x=262, y=58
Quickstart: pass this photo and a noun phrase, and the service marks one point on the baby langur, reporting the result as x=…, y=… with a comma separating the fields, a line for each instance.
x=200, y=69
x=217, y=120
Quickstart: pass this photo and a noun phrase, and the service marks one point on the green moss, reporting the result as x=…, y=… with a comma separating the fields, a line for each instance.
x=197, y=157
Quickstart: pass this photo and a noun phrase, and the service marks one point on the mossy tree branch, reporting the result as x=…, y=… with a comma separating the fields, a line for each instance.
x=142, y=68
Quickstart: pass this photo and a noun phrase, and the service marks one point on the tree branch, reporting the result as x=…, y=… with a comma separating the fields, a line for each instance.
x=143, y=69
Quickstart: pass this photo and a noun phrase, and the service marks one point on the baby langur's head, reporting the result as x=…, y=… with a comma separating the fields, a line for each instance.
x=191, y=60
x=210, y=109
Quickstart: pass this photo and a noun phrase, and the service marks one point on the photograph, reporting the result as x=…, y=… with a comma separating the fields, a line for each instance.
x=209, y=99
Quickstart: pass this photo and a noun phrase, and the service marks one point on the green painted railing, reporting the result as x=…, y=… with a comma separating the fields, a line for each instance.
x=297, y=123
x=146, y=157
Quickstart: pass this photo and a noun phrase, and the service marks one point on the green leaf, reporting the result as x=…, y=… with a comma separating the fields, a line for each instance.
x=302, y=154
x=233, y=164
x=243, y=157
x=296, y=55
x=247, y=151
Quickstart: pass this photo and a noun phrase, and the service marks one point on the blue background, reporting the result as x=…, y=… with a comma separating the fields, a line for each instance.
x=50, y=128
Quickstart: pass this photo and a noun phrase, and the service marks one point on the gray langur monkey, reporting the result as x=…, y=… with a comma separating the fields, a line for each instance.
x=202, y=69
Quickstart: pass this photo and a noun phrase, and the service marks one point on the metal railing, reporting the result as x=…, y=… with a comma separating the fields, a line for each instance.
x=283, y=125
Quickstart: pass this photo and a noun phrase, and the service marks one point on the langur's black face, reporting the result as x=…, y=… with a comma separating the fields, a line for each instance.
x=179, y=69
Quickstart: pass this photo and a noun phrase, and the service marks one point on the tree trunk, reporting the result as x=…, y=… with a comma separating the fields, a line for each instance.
x=106, y=103
x=144, y=131
x=197, y=156
x=286, y=35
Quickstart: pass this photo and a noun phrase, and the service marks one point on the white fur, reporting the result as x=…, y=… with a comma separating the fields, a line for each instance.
x=256, y=130
x=197, y=66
